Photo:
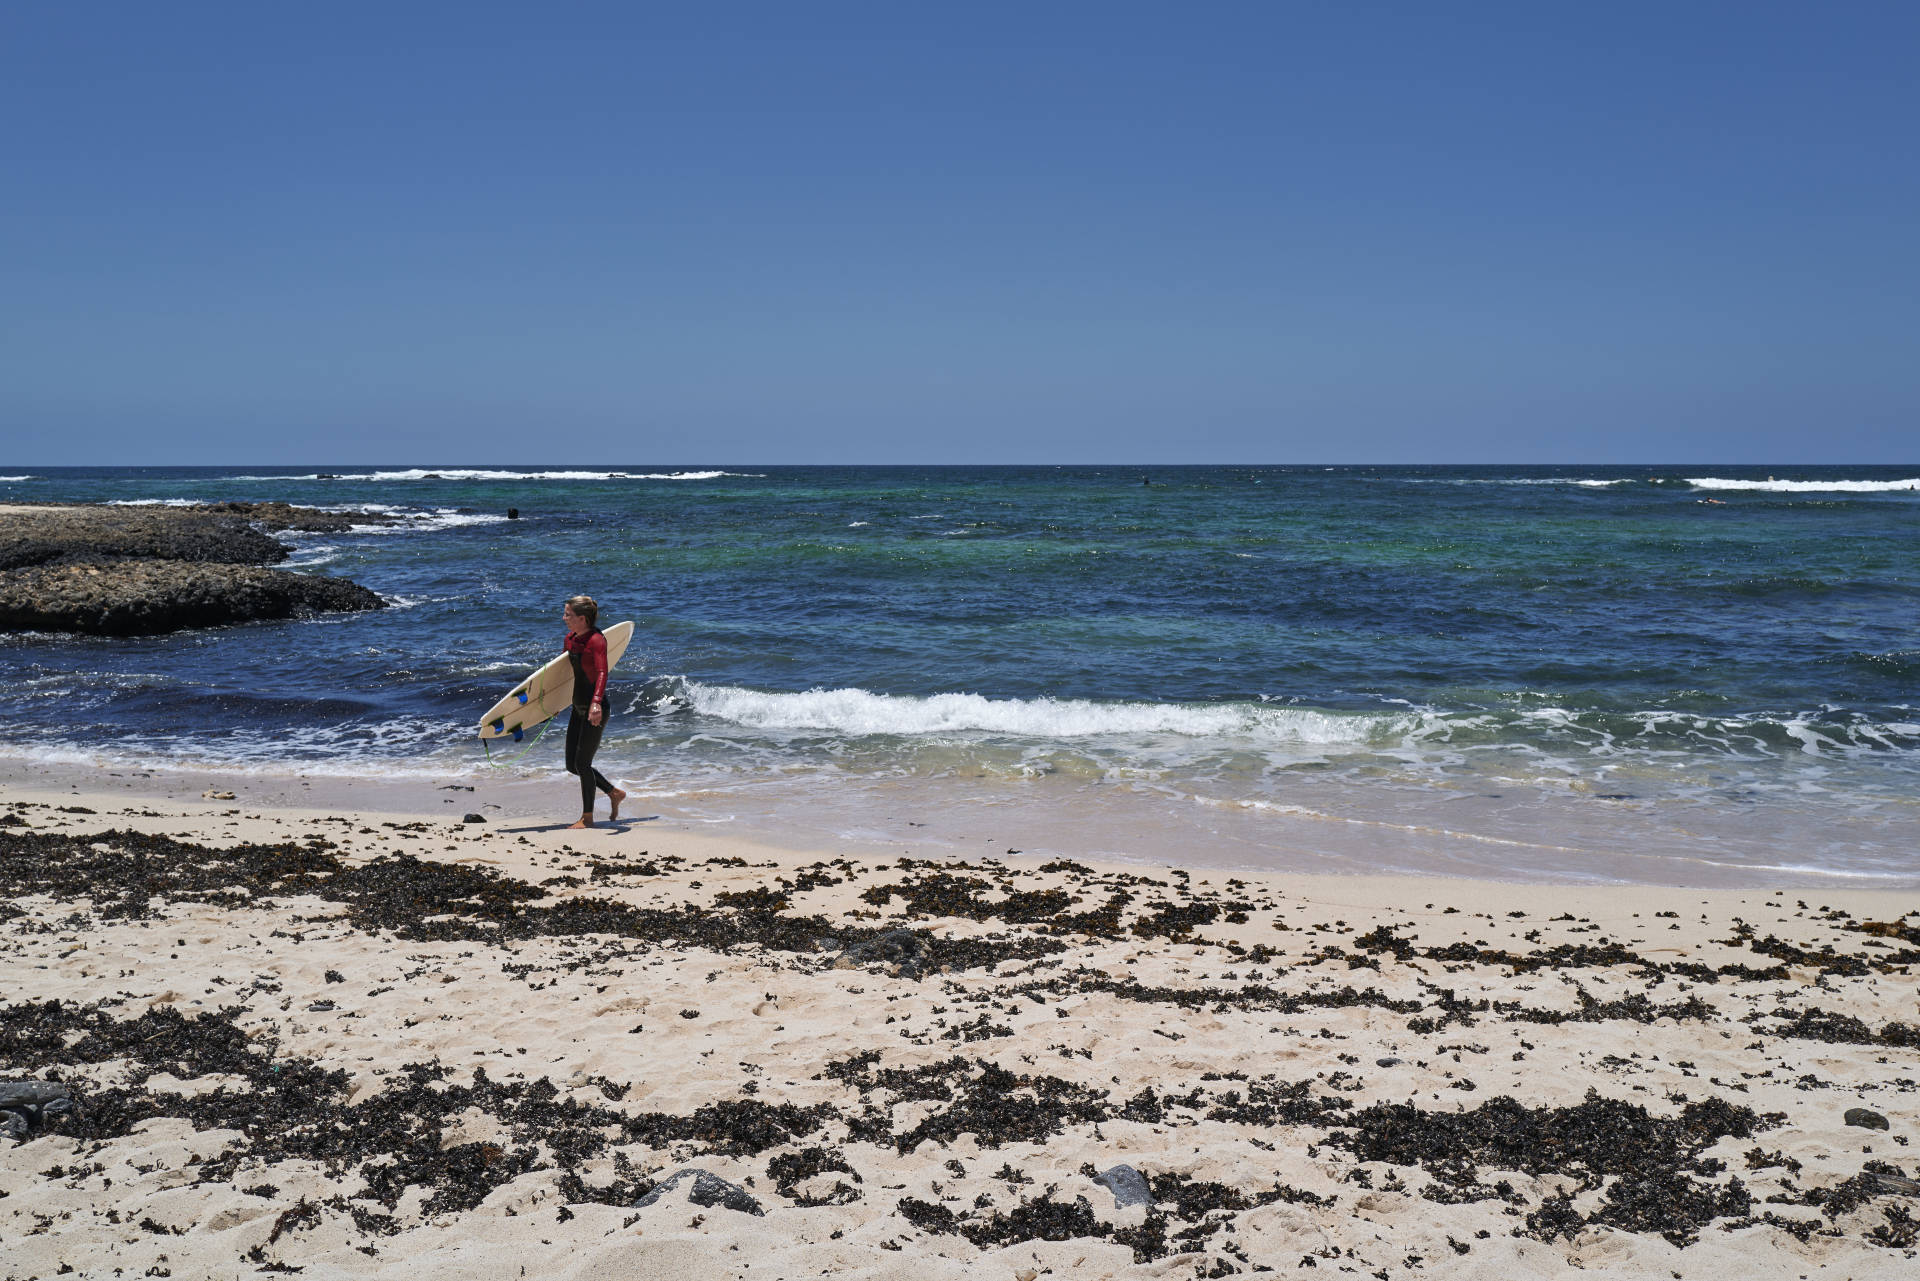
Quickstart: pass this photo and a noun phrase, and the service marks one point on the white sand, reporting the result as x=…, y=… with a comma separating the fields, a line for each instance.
x=684, y=1027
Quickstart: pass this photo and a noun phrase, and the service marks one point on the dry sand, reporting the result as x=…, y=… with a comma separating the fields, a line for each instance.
x=342, y=1043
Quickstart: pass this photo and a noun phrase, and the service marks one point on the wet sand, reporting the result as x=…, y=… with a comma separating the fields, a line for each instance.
x=364, y=1043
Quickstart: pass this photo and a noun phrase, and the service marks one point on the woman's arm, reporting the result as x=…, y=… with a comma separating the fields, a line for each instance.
x=596, y=664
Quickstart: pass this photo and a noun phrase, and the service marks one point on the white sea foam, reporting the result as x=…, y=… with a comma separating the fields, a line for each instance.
x=406, y=520
x=372, y=749
x=482, y=473
x=1770, y=485
x=312, y=556
x=1504, y=480
x=8, y=480
x=155, y=502
x=420, y=521
x=861, y=712
x=859, y=524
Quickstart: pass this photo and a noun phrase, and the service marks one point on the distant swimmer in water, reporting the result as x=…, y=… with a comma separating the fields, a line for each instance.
x=588, y=649
x=1712, y=502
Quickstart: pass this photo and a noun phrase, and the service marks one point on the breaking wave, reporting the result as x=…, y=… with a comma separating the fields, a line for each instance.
x=1770, y=485
x=860, y=712
x=1612, y=734
x=480, y=473
x=421, y=521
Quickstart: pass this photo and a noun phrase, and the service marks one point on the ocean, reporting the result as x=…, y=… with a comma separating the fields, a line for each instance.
x=1654, y=674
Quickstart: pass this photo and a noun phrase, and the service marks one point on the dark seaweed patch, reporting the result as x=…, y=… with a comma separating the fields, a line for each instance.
x=979, y=1098
x=1825, y=959
x=1824, y=1025
x=122, y=871
x=1658, y=1187
x=790, y=1169
x=1564, y=956
x=1635, y=1007
x=394, y=1139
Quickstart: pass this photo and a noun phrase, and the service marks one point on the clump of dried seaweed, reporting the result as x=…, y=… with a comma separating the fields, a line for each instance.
x=1651, y=1166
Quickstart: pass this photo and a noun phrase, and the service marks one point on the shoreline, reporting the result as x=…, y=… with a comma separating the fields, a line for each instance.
x=973, y=818
x=1300, y=1066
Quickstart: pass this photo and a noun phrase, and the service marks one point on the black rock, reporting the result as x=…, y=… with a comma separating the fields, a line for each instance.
x=26, y=1105
x=1128, y=1185
x=308, y=520
x=139, y=571
x=709, y=1190
x=1866, y=1119
x=147, y=597
x=95, y=535
x=474, y=818
x=908, y=951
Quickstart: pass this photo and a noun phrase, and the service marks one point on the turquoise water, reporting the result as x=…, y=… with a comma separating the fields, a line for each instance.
x=1712, y=666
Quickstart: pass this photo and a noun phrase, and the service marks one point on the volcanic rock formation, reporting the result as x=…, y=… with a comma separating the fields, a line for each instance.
x=131, y=571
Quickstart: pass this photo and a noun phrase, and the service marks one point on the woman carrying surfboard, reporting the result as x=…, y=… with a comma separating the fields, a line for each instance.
x=587, y=650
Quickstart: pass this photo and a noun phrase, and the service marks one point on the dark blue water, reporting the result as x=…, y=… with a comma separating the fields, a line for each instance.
x=1720, y=643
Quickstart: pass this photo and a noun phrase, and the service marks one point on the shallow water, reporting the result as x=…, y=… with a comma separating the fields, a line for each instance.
x=1565, y=673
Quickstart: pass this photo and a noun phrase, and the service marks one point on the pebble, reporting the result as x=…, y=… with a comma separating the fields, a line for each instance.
x=1128, y=1185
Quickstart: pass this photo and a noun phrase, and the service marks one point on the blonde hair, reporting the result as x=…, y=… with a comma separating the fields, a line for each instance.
x=586, y=608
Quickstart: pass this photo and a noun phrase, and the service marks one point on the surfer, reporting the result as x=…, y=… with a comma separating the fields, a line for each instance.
x=587, y=648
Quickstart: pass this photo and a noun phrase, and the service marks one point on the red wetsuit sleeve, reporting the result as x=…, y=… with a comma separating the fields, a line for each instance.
x=595, y=663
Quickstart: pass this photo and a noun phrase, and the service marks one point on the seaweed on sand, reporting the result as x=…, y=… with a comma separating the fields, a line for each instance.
x=395, y=1138
x=121, y=872
x=980, y=1099
x=1659, y=1184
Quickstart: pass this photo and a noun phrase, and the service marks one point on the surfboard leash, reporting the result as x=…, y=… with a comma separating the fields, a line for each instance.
x=487, y=745
x=526, y=695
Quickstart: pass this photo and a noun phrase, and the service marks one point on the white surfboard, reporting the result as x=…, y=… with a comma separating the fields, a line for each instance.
x=547, y=692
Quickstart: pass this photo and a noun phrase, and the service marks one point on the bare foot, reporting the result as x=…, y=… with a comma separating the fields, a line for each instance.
x=616, y=796
x=586, y=820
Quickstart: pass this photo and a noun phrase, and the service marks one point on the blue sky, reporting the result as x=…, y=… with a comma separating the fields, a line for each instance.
x=823, y=232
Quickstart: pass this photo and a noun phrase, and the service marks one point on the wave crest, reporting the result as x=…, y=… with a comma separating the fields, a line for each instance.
x=860, y=712
x=482, y=473
x=1772, y=486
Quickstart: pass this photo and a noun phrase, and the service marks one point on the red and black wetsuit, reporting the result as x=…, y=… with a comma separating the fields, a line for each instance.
x=589, y=655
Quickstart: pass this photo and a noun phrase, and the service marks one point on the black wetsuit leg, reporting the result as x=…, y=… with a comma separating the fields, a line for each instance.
x=583, y=740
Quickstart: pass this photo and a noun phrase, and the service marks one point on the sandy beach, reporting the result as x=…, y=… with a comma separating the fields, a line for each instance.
x=1267, y=639
x=358, y=1043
